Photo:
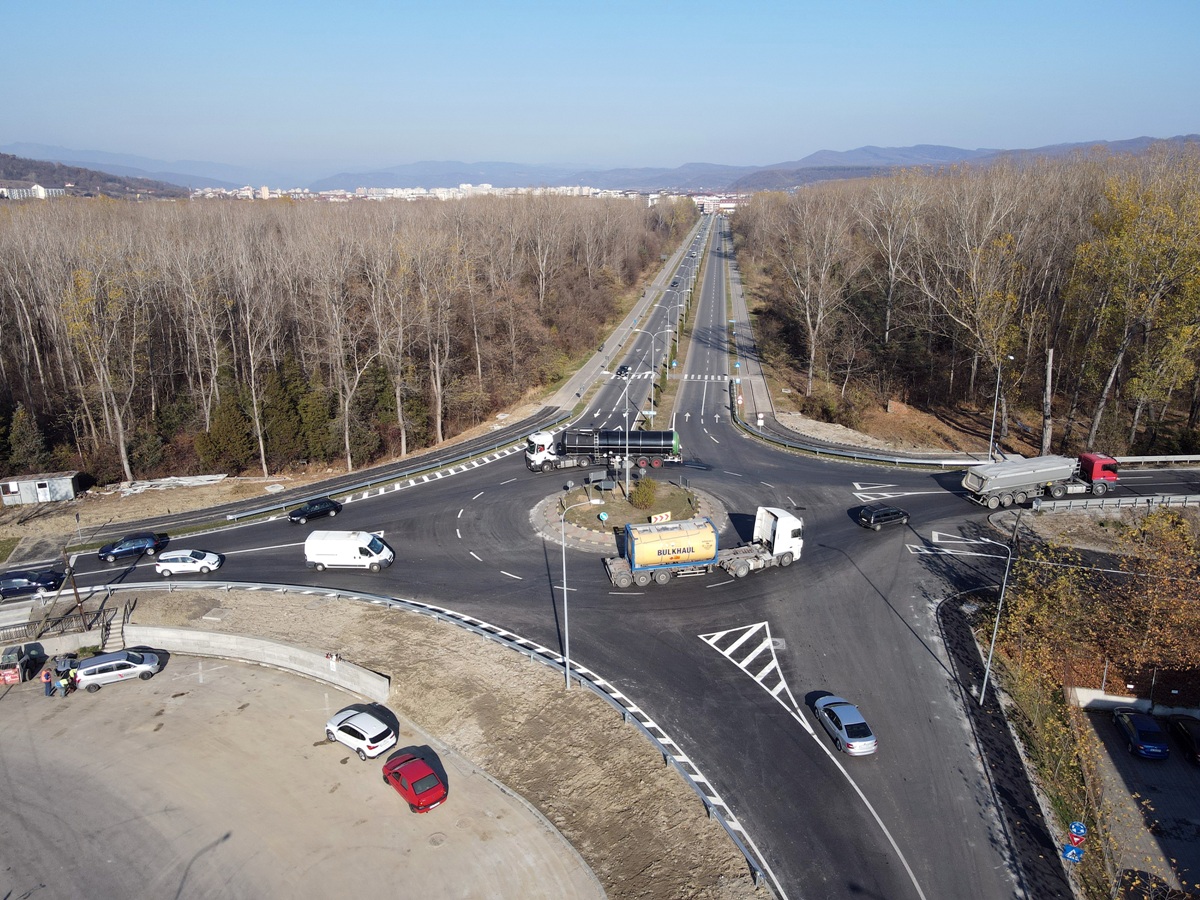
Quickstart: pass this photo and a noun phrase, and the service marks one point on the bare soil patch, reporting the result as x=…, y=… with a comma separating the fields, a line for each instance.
x=637, y=824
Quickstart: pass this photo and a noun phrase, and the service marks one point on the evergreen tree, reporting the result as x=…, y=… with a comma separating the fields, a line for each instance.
x=281, y=419
x=317, y=423
x=26, y=445
x=229, y=444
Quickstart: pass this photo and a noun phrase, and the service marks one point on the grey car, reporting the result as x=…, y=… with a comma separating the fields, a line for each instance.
x=850, y=732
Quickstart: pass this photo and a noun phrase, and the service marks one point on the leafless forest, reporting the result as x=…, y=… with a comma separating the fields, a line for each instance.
x=143, y=339
x=1072, y=285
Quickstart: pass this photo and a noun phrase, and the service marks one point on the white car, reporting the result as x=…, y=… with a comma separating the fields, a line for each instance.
x=187, y=562
x=850, y=732
x=361, y=731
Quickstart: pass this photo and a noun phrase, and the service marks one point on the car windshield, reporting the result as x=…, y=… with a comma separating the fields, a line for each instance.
x=375, y=545
x=135, y=658
x=196, y=554
x=858, y=731
x=428, y=783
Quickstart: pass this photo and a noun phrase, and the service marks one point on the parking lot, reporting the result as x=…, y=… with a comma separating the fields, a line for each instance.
x=214, y=779
x=1157, y=808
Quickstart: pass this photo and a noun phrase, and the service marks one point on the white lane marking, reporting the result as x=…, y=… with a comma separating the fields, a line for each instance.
x=869, y=486
x=510, y=481
x=459, y=516
x=737, y=474
x=768, y=484
x=791, y=501
x=477, y=496
x=459, y=533
x=713, y=439
x=473, y=553
x=511, y=575
x=872, y=496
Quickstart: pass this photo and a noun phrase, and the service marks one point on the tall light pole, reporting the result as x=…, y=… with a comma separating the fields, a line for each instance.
x=995, y=404
x=1008, y=558
x=594, y=501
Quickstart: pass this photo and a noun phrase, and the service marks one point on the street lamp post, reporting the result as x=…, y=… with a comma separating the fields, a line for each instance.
x=593, y=501
x=995, y=404
x=1008, y=558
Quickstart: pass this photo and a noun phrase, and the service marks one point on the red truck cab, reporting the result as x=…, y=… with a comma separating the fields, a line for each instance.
x=1095, y=467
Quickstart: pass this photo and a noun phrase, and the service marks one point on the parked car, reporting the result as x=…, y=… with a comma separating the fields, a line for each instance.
x=187, y=562
x=24, y=583
x=850, y=732
x=1186, y=730
x=415, y=781
x=133, y=545
x=109, y=668
x=624, y=371
x=1142, y=733
x=361, y=731
x=876, y=515
x=314, y=509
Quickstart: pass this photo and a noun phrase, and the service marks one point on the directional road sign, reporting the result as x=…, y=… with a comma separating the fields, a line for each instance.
x=1072, y=854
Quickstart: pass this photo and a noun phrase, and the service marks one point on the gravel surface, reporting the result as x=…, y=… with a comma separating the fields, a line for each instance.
x=640, y=828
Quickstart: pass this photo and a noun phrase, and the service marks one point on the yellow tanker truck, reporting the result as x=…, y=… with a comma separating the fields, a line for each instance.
x=659, y=552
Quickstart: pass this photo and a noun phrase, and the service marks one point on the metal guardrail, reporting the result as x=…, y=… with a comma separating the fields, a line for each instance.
x=1041, y=504
x=429, y=466
x=671, y=753
x=1157, y=460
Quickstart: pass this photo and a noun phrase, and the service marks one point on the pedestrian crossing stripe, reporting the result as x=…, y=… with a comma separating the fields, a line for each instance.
x=752, y=649
x=721, y=377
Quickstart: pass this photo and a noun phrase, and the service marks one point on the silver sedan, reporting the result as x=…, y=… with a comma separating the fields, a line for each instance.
x=850, y=732
x=187, y=562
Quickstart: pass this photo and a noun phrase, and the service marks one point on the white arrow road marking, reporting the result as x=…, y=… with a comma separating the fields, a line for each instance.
x=869, y=486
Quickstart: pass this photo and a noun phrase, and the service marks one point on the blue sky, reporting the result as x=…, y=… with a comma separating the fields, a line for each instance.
x=362, y=83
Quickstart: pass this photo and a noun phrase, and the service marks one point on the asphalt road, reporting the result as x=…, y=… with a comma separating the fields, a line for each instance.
x=856, y=616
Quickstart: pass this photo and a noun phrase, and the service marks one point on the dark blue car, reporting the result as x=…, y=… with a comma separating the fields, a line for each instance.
x=1142, y=733
x=133, y=545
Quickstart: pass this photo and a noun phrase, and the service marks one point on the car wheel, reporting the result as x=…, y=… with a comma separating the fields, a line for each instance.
x=110, y=558
x=146, y=676
x=362, y=754
x=165, y=573
x=150, y=551
x=585, y=461
x=837, y=743
x=641, y=579
x=330, y=736
x=412, y=808
x=993, y=502
x=303, y=520
x=374, y=567
x=741, y=570
x=1129, y=746
x=904, y=521
x=204, y=570
x=547, y=467
x=1020, y=498
x=623, y=581
x=786, y=560
x=662, y=576
x=1058, y=491
x=92, y=688
x=876, y=527
x=320, y=567
x=332, y=513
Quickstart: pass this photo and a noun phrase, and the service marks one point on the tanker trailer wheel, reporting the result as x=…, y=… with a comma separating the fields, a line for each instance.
x=1058, y=491
x=662, y=576
x=623, y=580
x=547, y=468
x=993, y=502
x=1099, y=489
x=642, y=462
x=1006, y=500
x=655, y=462
x=585, y=461
x=641, y=579
x=786, y=560
x=741, y=570
x=1020, y=498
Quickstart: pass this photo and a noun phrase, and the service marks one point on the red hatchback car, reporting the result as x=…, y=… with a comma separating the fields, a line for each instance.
x=415, y=781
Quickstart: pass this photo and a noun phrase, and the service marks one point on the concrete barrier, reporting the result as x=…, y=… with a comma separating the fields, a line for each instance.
x=311, y=663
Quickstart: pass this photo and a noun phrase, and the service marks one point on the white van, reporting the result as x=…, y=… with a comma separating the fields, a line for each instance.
x=346, y=549
x=124, y=665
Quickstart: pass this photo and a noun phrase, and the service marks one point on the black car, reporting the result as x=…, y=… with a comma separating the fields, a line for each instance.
x=146, y=542
x=314, y=509
x=624, y=371
x=1186, y=730
x=876, y=515
x=21, y=584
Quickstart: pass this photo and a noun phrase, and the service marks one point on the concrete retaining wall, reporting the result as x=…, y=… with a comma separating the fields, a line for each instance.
x=345, y=675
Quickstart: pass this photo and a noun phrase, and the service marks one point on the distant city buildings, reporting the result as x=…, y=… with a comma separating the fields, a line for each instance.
x=33, y=192
x=706, y=203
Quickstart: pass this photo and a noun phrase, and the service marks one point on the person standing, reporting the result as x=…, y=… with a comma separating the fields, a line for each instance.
x=48, y=681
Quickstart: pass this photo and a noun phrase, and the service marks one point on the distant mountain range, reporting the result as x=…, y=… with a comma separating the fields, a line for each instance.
x=693, y=177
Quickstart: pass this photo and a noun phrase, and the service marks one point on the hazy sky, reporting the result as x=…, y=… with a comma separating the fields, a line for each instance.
x=379, y=82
